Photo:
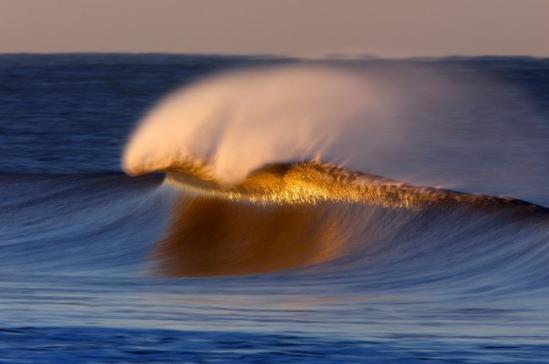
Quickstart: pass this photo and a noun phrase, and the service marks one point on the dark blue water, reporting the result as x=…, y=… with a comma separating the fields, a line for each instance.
x=78, y=238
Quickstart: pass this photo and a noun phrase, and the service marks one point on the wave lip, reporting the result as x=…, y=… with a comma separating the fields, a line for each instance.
x=314, y=182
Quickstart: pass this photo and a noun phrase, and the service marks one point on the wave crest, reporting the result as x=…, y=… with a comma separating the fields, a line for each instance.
x=315, y=182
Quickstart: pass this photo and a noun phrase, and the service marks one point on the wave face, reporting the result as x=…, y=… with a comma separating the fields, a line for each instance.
x=304, y=214
x=279, y=211
x=212, y=236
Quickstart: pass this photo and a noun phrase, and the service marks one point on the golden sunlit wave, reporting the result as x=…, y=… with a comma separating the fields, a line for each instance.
x=314, y=182
x=269, y=164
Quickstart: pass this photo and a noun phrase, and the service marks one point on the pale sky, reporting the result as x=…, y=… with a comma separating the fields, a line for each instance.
x=394, y=28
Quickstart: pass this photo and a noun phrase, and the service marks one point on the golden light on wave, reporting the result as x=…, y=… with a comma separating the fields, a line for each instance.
x=215, y=236
x=314, y=182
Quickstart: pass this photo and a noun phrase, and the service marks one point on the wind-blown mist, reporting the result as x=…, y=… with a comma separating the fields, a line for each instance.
x=237, y=122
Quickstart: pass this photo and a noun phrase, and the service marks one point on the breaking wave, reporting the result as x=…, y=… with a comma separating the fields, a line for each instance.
x=269, y=169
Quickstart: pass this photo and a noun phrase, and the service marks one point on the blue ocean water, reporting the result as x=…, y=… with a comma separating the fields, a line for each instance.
x=79, y=239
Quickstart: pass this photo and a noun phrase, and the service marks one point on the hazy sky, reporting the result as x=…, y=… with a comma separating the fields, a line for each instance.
x=293, y=27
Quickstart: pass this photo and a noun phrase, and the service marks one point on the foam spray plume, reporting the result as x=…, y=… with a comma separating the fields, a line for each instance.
x=234, y=123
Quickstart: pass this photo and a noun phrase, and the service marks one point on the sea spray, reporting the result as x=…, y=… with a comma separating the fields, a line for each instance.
x=235, y=123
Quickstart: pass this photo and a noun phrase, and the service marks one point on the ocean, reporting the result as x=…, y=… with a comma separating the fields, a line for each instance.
x=193, y=209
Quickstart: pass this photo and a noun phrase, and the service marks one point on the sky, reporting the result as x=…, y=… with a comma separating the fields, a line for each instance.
x=390, y=28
